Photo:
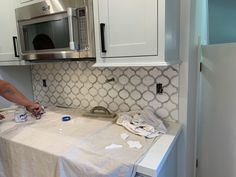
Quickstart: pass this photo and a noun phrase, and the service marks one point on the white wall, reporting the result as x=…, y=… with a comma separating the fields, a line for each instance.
x=20, y=77
x=202, y=20
x=222, y=21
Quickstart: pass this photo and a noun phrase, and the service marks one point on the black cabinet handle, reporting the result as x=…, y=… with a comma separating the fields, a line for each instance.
x=15, y=46
x=102, y=30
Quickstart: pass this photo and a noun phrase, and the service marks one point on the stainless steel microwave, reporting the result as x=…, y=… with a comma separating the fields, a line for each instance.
x=56, y=29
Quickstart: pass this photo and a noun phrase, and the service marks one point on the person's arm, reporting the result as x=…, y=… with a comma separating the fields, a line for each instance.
x=9, y=92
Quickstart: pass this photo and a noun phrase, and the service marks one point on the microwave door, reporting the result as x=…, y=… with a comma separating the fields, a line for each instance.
x=45, y=33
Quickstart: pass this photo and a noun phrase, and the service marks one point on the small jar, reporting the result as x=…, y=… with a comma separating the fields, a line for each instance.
x=20, y=114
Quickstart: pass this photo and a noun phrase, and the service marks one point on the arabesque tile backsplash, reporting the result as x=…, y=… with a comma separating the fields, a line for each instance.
x=78, y=84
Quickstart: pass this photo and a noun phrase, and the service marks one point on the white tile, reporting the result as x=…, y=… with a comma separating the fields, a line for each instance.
x=135, y=80
x=123, y=80
x=148, y=96
x=78, y=84
x=123, y=94
x=148, y=80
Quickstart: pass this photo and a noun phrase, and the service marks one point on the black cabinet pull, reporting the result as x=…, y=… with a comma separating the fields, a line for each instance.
x=102, y=30
x=15, y=46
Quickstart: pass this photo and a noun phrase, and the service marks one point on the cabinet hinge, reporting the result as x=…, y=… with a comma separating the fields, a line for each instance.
x=200, y=66
x=197, y=163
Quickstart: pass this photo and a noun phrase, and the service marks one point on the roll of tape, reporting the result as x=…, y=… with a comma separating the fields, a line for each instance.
x=66, y=118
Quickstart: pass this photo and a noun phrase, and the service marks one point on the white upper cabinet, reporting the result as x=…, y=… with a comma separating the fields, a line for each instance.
x=136, y=32
x=128, y=31
x=8, y=33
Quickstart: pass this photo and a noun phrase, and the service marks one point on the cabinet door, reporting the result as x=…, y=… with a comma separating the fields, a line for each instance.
x=8, y=30
x=128, y=27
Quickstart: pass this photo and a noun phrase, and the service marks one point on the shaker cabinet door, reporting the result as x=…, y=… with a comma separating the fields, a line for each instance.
x=8, y=33
x=128, y=28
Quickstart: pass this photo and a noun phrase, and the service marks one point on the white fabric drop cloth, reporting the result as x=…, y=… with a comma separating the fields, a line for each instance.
x=51, y=148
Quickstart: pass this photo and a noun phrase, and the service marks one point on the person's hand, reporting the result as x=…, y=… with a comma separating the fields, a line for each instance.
x=2, y=117
x=35, y=109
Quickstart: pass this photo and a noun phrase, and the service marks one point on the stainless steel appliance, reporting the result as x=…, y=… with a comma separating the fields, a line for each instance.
x=56, y=29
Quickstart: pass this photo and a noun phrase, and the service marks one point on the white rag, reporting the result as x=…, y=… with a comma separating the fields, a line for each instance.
x=142, y=122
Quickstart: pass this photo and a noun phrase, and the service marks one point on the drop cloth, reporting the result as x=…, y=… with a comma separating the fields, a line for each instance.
x=51, y=148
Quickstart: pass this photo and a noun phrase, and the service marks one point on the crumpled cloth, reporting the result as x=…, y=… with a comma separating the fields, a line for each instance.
x=143, y=122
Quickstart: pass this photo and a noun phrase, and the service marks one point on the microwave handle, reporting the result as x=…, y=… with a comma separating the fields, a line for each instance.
x=71, y=13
